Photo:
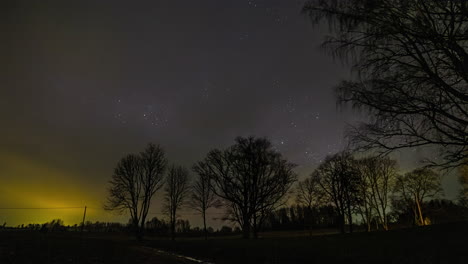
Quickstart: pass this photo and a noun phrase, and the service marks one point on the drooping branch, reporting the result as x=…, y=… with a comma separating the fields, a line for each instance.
x=411, y=60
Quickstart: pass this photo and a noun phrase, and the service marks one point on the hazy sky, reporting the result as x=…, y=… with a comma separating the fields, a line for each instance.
x=83, y=83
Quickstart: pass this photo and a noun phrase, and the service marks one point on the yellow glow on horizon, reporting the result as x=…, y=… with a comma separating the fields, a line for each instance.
x=25, y=183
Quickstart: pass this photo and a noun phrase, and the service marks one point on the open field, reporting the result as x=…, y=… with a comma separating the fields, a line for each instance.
x=433, y=244
x=21, y=247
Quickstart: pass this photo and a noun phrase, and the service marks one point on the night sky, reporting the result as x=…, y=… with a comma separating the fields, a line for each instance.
x=83, y=83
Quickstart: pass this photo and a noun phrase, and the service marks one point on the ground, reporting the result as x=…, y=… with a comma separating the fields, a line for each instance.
x=21, y=247
x=432, y=244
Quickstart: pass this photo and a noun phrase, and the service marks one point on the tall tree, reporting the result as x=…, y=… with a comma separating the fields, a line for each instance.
x=203, y=197
x=252, y=178
x=378, y=175
x=411, y=60
x=153, y=165
x=415, y=187
x=134, y=183
x=339, y=180
x=309, y=195
x=175, y=194
x=364, y=203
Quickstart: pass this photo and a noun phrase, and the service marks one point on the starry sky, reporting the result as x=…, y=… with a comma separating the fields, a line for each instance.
x=83, y=83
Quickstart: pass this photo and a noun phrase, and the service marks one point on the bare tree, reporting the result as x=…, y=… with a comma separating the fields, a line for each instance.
x=309, y=194
x=364, y=203
x=153, y=165
x=339, y=180
x=378, y=176
x=203, y=197
x=416, y=186
x=176, y=191
x=134, y=183
x=411, y=60
x=252, y=178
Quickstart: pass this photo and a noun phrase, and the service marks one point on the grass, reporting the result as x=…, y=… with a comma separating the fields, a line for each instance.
x=21, y=247
x=432, y=244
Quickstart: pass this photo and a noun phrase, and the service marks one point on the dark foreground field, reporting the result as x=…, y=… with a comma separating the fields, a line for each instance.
x=433, y=244
x=21, y=247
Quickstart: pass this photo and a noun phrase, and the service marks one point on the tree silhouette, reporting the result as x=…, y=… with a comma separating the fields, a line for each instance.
x=203, y=197
x=176, y=191
x=252, y=178
x=364, y=204
x=415, y=187
x=310, y=195
x=339, y=180
x=134, y=183
x=411, y=59
x=378, y=175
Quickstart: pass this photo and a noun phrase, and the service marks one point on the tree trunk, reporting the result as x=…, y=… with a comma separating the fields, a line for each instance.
x=246, y=224
x=350, y=218
x=255, y=230
x=246, y=228
x=367, y=213
x=136, y=229
x=310, y=220
x=415, y=215
x=384, y=222
x=173, y=222
x=173, y=231
x=204, y=226
x=366, y=217
x=142, y=228
x=342, y=223
x=421, y=219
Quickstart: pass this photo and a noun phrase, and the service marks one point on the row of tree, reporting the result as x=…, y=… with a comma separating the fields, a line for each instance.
x=154, y=226
x=410, y=76
x=250, y=180
x=298, y=217
x=136, y=180
x=366, y=187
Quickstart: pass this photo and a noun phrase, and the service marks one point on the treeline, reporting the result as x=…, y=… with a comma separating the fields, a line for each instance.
x=57, y=225
x=299, y=217
x=258, y=191
x=373, y=191
x=296, y=217
x=248, y=180
x=155, y=226
x=161, y=227
x=252, y=182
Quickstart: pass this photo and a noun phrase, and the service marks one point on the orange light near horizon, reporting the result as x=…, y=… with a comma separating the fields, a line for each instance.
x=31, y=184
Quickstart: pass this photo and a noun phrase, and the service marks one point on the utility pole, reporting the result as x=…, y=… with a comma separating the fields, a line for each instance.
x=82, y=236
x=84, y=217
